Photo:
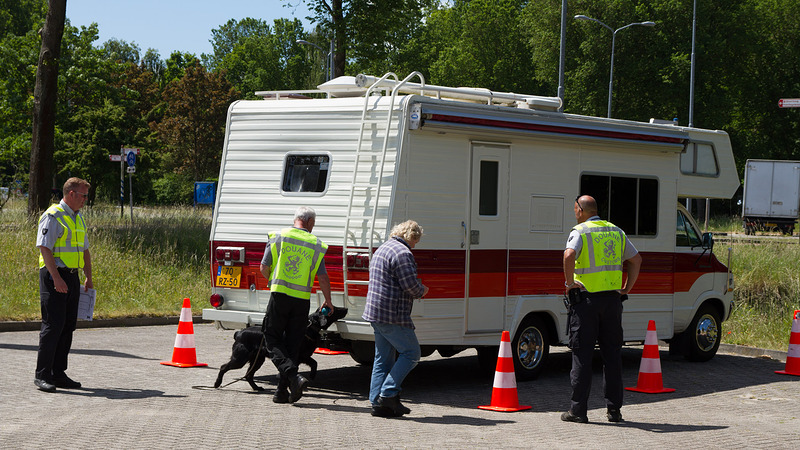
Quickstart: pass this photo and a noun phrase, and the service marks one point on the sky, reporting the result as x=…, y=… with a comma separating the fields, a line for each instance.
x=168, y=25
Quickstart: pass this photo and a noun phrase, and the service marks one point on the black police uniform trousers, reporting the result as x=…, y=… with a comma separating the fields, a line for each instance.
x=598, y=318
x=59, y=317
x=284, y=329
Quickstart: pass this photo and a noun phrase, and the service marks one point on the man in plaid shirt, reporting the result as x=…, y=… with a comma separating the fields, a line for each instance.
x=393, y=286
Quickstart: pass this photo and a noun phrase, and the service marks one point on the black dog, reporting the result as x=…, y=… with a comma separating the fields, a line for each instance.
x=248, y=346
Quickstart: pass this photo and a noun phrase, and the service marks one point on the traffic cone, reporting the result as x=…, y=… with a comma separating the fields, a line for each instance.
x=184, y=354
x=793, y=355
x=327, y=351
x=650, y=381
x=504, y=389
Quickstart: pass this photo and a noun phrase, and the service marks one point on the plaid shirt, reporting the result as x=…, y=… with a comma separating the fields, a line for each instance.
x=393, y=284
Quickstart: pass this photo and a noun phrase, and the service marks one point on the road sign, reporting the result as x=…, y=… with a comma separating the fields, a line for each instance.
x=128, y=150
x=115, y=158
x=130, y=157
x=789, y=103
x=132, y=169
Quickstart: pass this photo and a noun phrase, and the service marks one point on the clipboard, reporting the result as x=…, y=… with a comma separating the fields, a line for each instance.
x=86, y=304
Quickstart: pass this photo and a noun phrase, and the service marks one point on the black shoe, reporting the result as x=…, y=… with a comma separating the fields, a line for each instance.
x=614, y=415
x=296, y=387
x=66, y=382
x=381, y=411
x=393, y=404
x=44, y=385
x=569, y=417
x=281, y=396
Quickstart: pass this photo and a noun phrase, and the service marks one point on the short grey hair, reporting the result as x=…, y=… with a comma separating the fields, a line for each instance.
x=408, y=230
x=304, y=213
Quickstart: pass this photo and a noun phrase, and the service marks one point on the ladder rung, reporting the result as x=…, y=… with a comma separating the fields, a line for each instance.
x=364, y=186
x=356, y=250
x=359, y=218
x=357, y=282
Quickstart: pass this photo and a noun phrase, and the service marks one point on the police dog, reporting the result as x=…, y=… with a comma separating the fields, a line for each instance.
x=249, y=346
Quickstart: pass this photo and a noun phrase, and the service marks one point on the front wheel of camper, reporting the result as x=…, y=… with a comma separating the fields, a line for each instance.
x=362, y=352
x=530, y=348
x=704, y=334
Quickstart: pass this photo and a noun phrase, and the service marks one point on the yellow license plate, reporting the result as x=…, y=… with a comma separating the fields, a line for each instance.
x=228, y=276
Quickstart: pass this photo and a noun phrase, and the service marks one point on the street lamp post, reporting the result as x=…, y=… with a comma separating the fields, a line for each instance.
x=328, y=58
x=613, y=43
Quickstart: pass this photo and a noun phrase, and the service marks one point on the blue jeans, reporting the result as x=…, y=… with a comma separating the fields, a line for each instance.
x=387, y=373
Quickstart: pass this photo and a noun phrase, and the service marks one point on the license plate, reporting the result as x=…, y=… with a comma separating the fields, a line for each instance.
x=228, y=276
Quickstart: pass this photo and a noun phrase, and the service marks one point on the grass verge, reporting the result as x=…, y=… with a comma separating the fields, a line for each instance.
x=140, y=269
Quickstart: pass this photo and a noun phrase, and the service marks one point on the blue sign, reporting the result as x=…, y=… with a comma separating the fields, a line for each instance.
x=131, y=159
x=204, y=192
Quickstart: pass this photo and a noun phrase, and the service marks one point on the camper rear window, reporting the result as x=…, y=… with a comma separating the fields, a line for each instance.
x=305, y=173
x=628, y=202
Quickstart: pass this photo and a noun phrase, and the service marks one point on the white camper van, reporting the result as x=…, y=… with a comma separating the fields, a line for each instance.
x=492, y=178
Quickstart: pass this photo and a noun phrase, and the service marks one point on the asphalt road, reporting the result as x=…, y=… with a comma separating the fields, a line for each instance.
x=129, y=400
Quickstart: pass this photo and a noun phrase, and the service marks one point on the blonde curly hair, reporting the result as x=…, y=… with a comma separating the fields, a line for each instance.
x=408, y=230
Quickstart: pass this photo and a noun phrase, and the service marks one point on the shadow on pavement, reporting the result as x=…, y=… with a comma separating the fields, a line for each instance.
x=91, y=352
x=117, y=393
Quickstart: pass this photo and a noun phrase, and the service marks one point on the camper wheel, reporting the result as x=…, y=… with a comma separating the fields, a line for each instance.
x=362, y=352
x=704, y=334
x=530, y=347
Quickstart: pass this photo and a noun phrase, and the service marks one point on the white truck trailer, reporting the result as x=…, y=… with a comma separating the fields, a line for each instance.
x=771, y=195
x=492, y=178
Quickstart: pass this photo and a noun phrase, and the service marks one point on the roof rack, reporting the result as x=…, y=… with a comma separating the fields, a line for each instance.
x=347, y=86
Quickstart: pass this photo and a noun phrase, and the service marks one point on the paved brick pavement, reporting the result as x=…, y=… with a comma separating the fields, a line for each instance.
x=129, y=400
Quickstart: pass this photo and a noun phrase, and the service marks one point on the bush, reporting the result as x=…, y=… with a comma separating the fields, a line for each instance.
x=174, y=189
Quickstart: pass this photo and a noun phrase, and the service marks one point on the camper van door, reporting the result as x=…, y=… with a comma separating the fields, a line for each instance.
x=487, y=237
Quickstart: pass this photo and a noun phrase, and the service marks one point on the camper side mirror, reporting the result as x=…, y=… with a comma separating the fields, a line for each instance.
x=708, y=241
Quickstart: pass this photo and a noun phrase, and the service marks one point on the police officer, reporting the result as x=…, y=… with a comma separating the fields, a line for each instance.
x=593, y=260
x=64, y=249
x=292, y=259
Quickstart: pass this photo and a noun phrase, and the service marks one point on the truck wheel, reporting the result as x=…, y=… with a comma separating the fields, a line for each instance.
x=703, y=335
x=530, y=348
x=362, y=352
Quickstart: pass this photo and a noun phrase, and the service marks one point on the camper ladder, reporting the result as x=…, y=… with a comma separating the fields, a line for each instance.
x=365, y=162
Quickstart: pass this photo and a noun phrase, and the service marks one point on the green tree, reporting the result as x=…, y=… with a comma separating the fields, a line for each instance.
x=194, y=123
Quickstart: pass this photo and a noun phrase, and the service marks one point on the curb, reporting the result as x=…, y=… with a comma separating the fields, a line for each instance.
x=102, y=323
x=753, y=352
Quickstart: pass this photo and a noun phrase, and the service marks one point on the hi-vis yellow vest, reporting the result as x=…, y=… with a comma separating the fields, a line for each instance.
x=296, y=256
x=70, y=246
x=599, y=265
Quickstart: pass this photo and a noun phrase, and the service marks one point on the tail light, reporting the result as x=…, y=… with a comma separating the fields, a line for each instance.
x=216, y=300
x=229, y=255
x=357, y=261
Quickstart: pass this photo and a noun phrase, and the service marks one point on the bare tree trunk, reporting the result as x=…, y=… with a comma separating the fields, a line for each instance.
x=44, y=108
x=339, y=30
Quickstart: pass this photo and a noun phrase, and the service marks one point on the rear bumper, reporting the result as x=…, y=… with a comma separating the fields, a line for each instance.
x=233, y=319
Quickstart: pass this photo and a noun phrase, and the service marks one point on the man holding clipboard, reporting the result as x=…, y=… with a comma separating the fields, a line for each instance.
x=64, y=249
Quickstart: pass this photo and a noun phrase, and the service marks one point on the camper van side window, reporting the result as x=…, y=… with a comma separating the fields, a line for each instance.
x=630, y=203
x=488, y=200
x=699, y=159
x=305, y=173
x=685, y=234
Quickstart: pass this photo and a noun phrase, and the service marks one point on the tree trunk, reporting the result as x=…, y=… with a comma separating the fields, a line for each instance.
x=44, y=108
x=340, y=35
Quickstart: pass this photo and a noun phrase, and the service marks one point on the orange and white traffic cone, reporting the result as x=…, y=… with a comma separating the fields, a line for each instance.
x=793, y=355
x=327, y=351
x=184, y=354
x=504, y=389
x=650, y=381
